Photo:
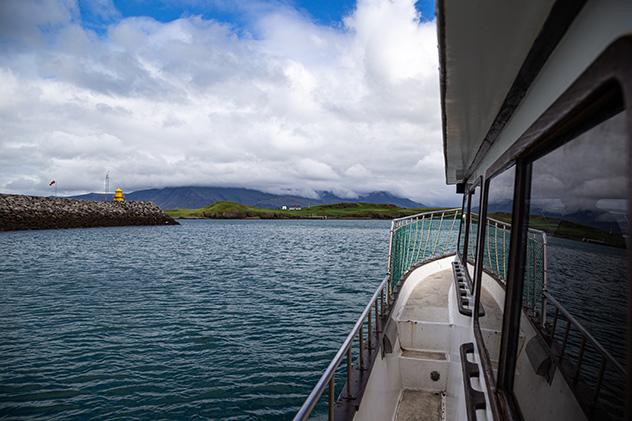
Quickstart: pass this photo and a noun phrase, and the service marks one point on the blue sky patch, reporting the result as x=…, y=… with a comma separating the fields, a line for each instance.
x=96, y=14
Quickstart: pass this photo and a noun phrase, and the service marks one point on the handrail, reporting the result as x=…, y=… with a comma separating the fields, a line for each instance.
x=417, y=215
x=313, y=398
x=582, y=329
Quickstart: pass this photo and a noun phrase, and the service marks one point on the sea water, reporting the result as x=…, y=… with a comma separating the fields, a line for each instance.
x=210, y=319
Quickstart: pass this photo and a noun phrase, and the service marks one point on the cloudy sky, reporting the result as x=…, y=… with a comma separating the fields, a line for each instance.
x=277, y=95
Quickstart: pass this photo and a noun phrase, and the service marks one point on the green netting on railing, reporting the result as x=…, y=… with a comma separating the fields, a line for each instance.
x=496, y=249
x=472, y=238
x=534, y=274
x=496, y=262
x=427, y=236
x=421, y=238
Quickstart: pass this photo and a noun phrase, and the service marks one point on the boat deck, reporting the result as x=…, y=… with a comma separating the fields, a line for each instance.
x=418, y=405
x=429, y=300
x=425, y=309
x=421, y=379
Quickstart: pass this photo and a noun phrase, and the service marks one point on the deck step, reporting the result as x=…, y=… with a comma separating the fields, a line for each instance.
x=424, y=369
x=421, y=354
x=423, y=335
x=417, y=405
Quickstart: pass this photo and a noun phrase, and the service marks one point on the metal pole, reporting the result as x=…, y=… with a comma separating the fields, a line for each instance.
x=423, y=253
x=432, y=252
x=390, y=250
x=369, y=334
x=349, y=362
x=382, y=302
x=505, y=254
x=377, y=320
x=496, y=247
x=406, y=248
x=361, y=337
x=489, y=249
x=582, y=347
x=446, y=239
x=535, y=264
x=545, y=277
x=602, y=369
x=331, y=398
x=411, y=259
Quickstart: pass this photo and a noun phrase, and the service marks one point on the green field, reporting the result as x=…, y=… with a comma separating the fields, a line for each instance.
x=232, y=210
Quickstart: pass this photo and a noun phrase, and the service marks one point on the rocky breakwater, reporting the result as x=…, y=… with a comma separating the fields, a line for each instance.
x=30, y=212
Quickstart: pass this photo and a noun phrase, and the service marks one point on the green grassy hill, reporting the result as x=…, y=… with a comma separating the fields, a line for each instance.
x=232, y=210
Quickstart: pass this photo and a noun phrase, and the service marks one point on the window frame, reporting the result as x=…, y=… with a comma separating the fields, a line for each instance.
x=462, y=226
x=467, y=197
x=601, y=91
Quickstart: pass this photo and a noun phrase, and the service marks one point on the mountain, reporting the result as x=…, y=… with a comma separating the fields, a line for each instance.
x=197, y=197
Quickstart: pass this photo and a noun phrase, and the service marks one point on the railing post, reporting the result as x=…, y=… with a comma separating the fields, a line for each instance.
x=545, y=280
x=579, y=360
x=369, y=334
x=390, y=248
x=332, y=398
x=496, y=247
x=377, y=320
x=557, y=312
x=488, y=248
x=566, y=332
x=447, y=238
x=413, y=253
x=382, y=302
x=602, y=370
x=434, y=247
x=505, y=254
x=361, y=340
x=533, y=292
x=423, y=253
x=349, y=366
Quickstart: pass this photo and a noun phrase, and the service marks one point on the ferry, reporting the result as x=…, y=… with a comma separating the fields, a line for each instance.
x=516, y=305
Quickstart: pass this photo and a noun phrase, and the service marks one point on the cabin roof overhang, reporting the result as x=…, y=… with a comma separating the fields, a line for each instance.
x=483, y=50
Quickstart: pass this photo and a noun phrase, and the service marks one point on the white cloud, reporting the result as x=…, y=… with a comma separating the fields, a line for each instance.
x=290, y=106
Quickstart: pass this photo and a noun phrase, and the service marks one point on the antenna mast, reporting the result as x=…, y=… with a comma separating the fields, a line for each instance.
x=107, y=186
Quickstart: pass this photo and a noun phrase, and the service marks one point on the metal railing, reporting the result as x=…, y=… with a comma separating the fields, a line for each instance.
x=378, y=304
x=496, y=263
x=571, y=347
x=579, y=355
x=413, y=239
x=418, y=238
x=496, y=248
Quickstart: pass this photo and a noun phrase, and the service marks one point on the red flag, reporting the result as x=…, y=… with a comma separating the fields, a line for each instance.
x=51, y=183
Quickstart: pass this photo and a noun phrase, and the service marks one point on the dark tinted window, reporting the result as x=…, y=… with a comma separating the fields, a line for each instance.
x=473, y=217
x=579, y=204
x=495, y=258
x=498, y=230
x=461, y=246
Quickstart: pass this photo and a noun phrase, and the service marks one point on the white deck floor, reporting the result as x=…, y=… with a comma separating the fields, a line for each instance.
x=418, y=405
x=422, y=378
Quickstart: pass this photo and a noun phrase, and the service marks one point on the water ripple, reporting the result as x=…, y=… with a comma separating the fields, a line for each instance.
x=211, y=319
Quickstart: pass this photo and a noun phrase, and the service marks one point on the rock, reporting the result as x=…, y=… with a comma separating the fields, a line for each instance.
x=19, y=212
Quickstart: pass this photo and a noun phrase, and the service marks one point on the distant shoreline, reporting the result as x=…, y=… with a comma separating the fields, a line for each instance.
x=340, y=211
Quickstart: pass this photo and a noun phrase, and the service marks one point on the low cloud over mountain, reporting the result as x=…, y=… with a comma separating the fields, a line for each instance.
x=281, y=103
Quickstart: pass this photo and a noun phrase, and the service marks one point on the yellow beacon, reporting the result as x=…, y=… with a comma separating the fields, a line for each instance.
x=118, y=195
